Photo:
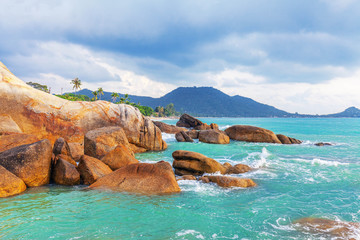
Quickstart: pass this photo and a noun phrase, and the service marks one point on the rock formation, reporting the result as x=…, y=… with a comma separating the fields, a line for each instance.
x=119, y=157
x=287, y=140
x=7, y=125
x=213, y=136
x=31, y=162
x=146, y=178
x=64, y=173
x=51, y=117
x=167, y=128
x=251, y=134
x=183, y=137
x=329, y=228
x=10, y=184
x=91, y=169
x=14, y=140
x=188, y=121
x=226, y=181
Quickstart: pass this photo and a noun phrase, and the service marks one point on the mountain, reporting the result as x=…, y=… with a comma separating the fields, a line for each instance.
x=205, y=102
x=351, y=112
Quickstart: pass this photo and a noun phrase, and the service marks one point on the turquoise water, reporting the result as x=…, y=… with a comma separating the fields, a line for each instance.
x=294, y=181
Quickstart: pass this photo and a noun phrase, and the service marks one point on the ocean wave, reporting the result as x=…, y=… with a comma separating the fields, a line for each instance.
x=191, y=232
x=262, y=162
x=224, y=127
x=317, y=161
x=167, y=137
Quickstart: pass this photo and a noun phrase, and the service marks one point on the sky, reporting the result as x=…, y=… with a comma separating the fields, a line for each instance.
x=299, y=56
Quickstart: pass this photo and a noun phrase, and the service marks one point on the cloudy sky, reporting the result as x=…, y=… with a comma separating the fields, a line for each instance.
x=300, y=56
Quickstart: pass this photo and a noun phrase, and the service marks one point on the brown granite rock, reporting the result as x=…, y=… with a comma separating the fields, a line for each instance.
x=61, y=147
x=65, y=158
x=225, y=181
x=214, y=126
x=188, y=121
x=236, y=169
x=119, y=157
x=99, y=142
x=192, y=163
x=29, y=162
x=167, y=128
x=145, y=178
x=7, y=125
x=10, y=184
x=204, y=126
x=14, y=140
x=287, y=140
x=251, y=134
x=194, y=134
x=91, y=169
x=321, y=144
x=328, y=228
x=212, y=136
x=64, y=173
x=183, y=137
x=76, y=150
x=186, y=177
x=50, y=117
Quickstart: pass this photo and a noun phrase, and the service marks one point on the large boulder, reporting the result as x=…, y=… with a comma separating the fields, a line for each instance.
x=10, y=184
x=61, y=147
x=91, y=169
x=76, y=150
x=329, y=228
x=100, y=141
x=167, y=128
x=194, y=134
x=65, y=158
x=213, y=136
x=193, y=163
x=188, y=121
x=251, y=134
x=226, y=181
x=29, y=162
x=15, y=140
x=48, y=116
x=8, y=125
x=236, y=169
x=145, y=178
x=64, y=173
x=287, y=140
x=183, y=137
x=119, y=157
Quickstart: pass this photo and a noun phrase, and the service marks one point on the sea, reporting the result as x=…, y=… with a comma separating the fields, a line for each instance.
x=294, y=181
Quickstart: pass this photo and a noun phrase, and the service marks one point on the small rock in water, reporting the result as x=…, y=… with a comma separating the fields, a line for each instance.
x=64, y=173
x=186, y=177
x=340, y=230
x=321, y=144
x=226, y=182
x=183, y=137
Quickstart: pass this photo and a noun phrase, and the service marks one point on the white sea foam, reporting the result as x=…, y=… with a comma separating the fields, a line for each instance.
x=185, y=232
x=224, y=127
x=167, y=137
x=262, y=162
x=317, y=161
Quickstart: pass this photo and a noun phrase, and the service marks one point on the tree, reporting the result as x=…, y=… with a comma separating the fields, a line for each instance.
x=76, y=84
x=169, y=110
x=100, y=92
x=38, y=86
x=95, y=93
x=114, y=96
x=160, y=111
x=125, y=99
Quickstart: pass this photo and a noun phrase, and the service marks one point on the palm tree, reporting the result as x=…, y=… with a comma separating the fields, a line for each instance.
x=114, y=96
x=77, y=84
x=100, y=92
x=95, y=93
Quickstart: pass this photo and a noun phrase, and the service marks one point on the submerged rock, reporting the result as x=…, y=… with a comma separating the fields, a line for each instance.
x=48, y=116
x=226, y=181
x=327, y=227
x=14, y=140
x=251, y=134
x=186, y=177
x=321, y=144
x=236, y=169
x=167, y=128
x=192, y=163
x=29, y=162
x=183, y=137
x=119, y=157
x=64, y=173
x=10, y=184
x=212, y=136
x=145, y=178
x=100, y=141
x=91, y=169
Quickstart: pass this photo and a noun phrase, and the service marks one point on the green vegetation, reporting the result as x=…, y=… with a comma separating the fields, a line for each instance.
x=73, y=97
x=76, y=82
x=38, y=86
x=168, y=111
x=114, y=96
x=95, y=93
x=100, y=92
